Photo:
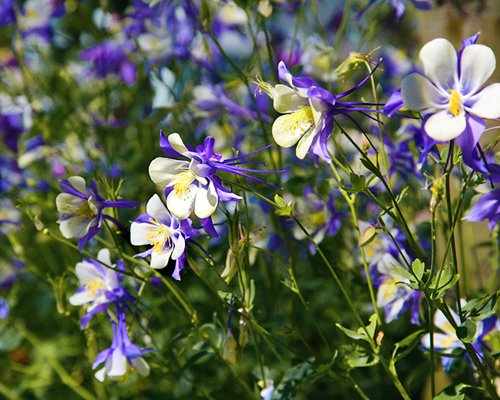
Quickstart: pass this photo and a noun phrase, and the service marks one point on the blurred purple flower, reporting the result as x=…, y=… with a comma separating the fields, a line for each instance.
x=110, y=58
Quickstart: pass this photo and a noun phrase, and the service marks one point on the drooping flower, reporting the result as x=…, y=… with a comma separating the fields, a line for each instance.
x=100, y=284
x=190, y=179
x=447, y=342
x=309, y=112
x=81, y=209
x=450, y=95
x=122, y=355
x=165, y=233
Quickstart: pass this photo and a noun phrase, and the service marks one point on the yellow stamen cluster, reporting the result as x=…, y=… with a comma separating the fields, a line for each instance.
x=455, y=106
x=94, y=285
x=298, y=122
x=390, y=287
x=182, y=181
x=158, y=236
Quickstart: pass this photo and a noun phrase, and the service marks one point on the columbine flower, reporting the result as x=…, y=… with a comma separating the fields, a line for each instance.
x=308, y=113
x=122, y=354
x=189, y=178
x=81, y=209
x=100, y=285
x=449, y=93
x=447, y=342
x=165, y=233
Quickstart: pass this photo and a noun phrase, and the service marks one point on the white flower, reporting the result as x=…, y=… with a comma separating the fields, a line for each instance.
x=98, y=282
x=450, y=89
x=163, y=232
x=188, y=190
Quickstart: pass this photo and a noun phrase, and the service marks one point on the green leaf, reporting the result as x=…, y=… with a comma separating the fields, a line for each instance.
x=458, y=392
x=9, y=339
x=408, y=344
x=282, y=207
x=352, y=334
x=358, y=357
x=418, y=268
x=358, y=183
x=482, y=307
x=287, y=388
x=467, y=331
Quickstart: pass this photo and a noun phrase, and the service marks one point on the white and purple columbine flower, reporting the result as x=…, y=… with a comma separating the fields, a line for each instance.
x=100, y=285
x=447, y=342
x=165, y=233
x=81, y=209
x=309, y=112
x=122, y=354
x=190, y=179
x=449, y=93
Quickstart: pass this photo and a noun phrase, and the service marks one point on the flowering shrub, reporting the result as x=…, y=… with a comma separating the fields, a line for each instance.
x=221, y=199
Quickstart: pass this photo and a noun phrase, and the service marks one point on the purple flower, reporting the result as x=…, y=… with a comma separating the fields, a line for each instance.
x=4, y=308
x=190, y=179
x=81, y=209
x=486, y=207
x=165, y=233
x=122, y=354
x=100, y=285
x=110, y=58
x=309, y=112
x=7, y=14
x=450, y=94
x=399, y=6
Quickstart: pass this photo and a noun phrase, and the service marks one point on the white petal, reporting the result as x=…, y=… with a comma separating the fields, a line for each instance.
x=477, y=64
x=81, y=298
x=157, y=209
x=177, y=144
x=162, y=170
x=73, y=227
x=419, y=93
x=440, y=63
x=138, y=233
x=282, y=134
x=444, y=126
x=179, y=247
x=286, y=99
x=160, y=260
x=140, y=365
x=86, y=272
x=101, y=374
x=305, y=142
x=78, y=183
x=118, y=365
x=67, y=203
x=206, y=201
x=104, y=257
x=395, y=308
x=182, y=207
x=486, y=103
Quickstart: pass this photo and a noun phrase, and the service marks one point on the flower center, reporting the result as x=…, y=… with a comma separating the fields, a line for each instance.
x=298, y=122
x=455, y=106
x=389, y=288
x=94, y=285
x=182, y=181
x=159, y=236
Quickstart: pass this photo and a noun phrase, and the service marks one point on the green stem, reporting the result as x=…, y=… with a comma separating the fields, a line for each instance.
x=66, y=378
x=351, y=201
